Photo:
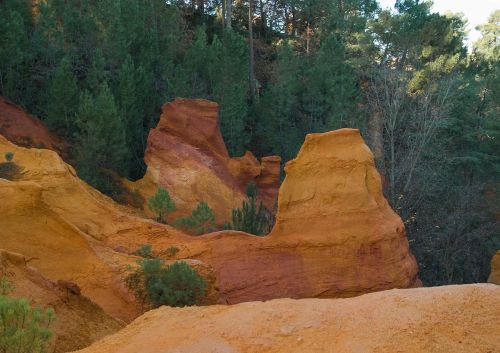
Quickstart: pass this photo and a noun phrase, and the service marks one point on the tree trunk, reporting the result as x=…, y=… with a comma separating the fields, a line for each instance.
x=229, y=13
x=201, y=6
x=376, y=133
x=263, y=20
x=251, y=67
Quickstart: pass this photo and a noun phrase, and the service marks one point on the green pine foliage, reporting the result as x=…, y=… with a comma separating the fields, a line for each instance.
x=282, y=129
x=174, y=285
x=23, y=329
x=229, y=82
x=201, y=220
x=162, y=204
x=251, y=218
x=329, y=98
x=145, y=251
x=9, y=156
x=101, y=141
x=156, y=284
x=63, y=99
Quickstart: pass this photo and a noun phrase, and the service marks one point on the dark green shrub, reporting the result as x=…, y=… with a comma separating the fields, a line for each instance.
x=9, y=156
x=174, y=285
x=23, y=329
x=155, y=284
x=201, y=221
x=251, y=218
x=161, y=203
x=172, y=251
x=145, y=251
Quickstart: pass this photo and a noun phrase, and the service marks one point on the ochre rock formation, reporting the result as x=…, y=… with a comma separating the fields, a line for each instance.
x=335, y=234
x=79, y=322
x=495, y=269
x=459, y=319
x=186, y=154
x=67, y=228
x=24, y=129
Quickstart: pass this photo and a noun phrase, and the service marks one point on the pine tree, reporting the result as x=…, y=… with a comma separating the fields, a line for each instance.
x=62, y=99
x=96, y=74
x=161, y=203
x=15, y=51
x=192, y=76
x=330, y=92
x=201, y=220
x=280, y=104
x=101, y=140
x=130, y=112
x=228, y=78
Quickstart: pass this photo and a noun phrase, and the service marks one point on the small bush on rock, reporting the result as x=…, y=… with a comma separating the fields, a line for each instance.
x=174, y=285
x=201, y=221
x=155, y=284
x=145, y=251
x=9, y=156
x=251, y=218
x=161, y=203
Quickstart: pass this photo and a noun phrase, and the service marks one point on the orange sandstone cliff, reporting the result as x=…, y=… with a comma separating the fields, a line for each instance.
x=51, y=216
x=495, y=269
x=186, y=154
x=335, y=234
x=458, y=319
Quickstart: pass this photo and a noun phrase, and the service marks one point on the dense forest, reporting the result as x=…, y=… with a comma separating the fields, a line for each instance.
x=97, y=73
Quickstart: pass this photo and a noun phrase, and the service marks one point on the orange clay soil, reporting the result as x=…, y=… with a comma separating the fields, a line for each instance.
x=335, y=234
x=186, y=154
x=458, y=319
x=495, y=269
x=79, y=321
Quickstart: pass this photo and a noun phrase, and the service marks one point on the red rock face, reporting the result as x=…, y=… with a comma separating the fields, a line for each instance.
x=187, y=155
x=25, y=130
x=268, y=182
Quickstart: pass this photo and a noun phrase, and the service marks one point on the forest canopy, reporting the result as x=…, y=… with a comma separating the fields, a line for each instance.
x=97, y=73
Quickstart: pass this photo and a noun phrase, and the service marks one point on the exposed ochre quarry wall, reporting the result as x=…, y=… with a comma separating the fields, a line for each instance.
x=335, y=234
x=186, y=154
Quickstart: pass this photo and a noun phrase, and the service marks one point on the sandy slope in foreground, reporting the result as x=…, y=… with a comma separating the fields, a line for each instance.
x=462, y=318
